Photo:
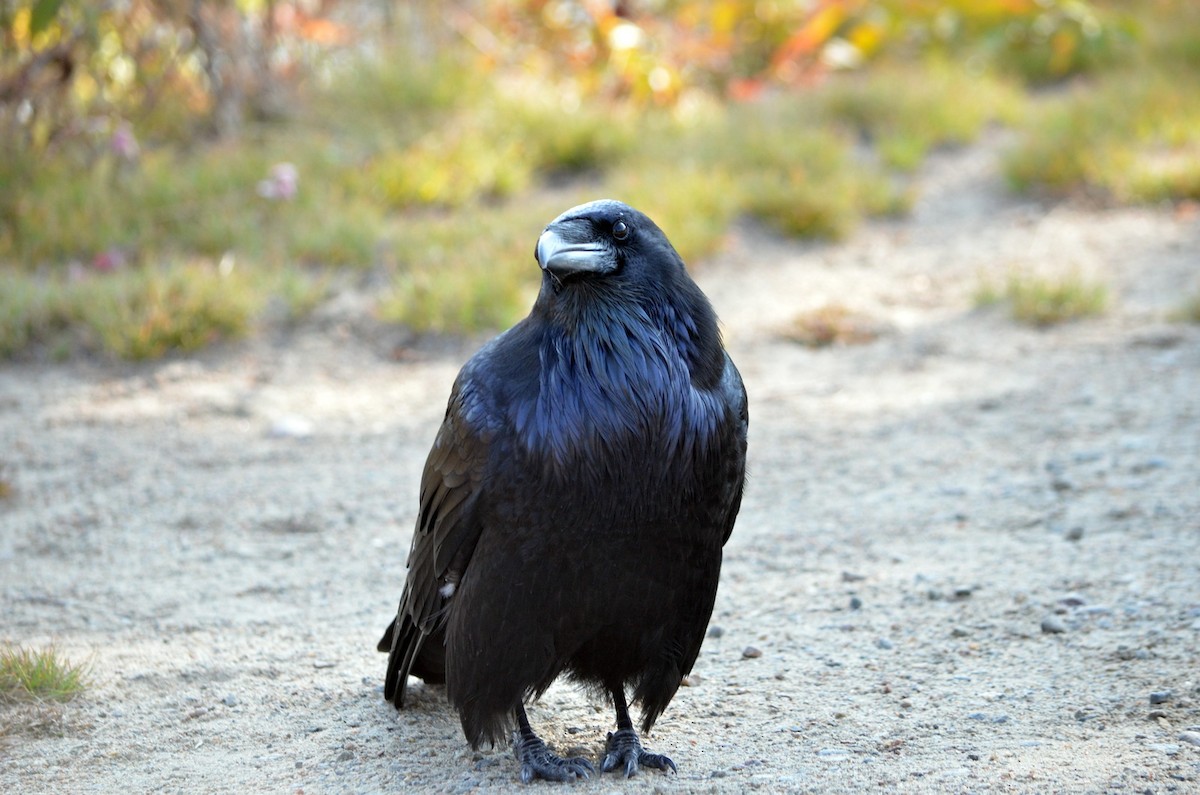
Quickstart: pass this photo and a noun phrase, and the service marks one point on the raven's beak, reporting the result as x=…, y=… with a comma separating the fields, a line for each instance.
x=563, y=257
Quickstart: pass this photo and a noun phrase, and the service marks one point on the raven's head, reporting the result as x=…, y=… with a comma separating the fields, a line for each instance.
x=605, y=241
x=609, y=275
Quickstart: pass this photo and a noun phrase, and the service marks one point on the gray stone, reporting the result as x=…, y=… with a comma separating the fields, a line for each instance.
x=1052, y=625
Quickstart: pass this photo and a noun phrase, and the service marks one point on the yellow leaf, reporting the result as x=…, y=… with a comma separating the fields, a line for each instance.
x=20, y=26
x=867, y=38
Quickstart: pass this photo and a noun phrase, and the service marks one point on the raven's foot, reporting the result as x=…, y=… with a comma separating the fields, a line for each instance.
x=624, y=749
x=538, y=761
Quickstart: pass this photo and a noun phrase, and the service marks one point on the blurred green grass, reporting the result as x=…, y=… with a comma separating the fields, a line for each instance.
x=38, y=675
x=1130, y=134
x=424, y=178
x=1042, y=301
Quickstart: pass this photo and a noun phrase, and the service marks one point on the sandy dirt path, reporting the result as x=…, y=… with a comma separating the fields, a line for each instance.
x=968, y=555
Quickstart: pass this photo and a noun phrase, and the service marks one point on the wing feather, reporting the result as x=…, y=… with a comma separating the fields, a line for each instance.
x=445, y=537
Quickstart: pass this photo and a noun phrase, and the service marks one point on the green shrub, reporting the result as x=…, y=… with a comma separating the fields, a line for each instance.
x=1045, y=301
x=38, y=675
x=1058, y=39
x=149, y=312
x=24, y=311
x=1133, y=138
x=804, y=181
x=450, y=167
x=908, y=110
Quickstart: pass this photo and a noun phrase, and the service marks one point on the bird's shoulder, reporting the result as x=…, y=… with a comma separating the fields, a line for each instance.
x=503, y=371
x=732, y=390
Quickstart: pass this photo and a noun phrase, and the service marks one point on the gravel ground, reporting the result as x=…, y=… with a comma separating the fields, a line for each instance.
x=968, y=559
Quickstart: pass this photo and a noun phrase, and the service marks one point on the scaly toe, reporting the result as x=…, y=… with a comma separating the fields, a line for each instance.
x=624, y=749
x=538, y=761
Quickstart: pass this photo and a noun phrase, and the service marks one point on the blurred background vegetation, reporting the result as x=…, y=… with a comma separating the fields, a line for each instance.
x=178, y=172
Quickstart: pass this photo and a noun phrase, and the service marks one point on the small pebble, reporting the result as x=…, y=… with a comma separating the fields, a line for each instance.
x=230, y=700
x=290, y=426
x=884, y=643
x=1150, y=464
x=1160, y=697
x=855, y=603
x=345, y=756
x=1052, y=626
x=959, y=632
x=1190, y=737
x=468, y=784
x=983, y=716
x=750, y=652
x=1074, y=534
x=1156, y=338
x=715, y=632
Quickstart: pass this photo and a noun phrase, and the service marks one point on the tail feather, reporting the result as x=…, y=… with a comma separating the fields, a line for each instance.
x=411, y=651
x=385, y=643
x=405, y=643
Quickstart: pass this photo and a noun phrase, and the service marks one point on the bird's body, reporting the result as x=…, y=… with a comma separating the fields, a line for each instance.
x=577, y=497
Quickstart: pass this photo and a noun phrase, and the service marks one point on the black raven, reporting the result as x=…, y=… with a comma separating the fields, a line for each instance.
x=574, y=505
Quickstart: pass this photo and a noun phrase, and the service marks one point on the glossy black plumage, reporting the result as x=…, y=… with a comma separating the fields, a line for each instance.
x=574, y=505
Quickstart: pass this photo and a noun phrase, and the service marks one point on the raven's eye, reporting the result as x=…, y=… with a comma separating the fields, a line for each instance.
x=620, y=230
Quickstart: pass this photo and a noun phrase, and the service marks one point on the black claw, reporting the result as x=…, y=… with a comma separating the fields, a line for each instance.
x=538, y=761
x=625, y=749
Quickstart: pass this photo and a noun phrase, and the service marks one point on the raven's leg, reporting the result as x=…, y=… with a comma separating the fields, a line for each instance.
x=538, y=761
x=624, y=747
